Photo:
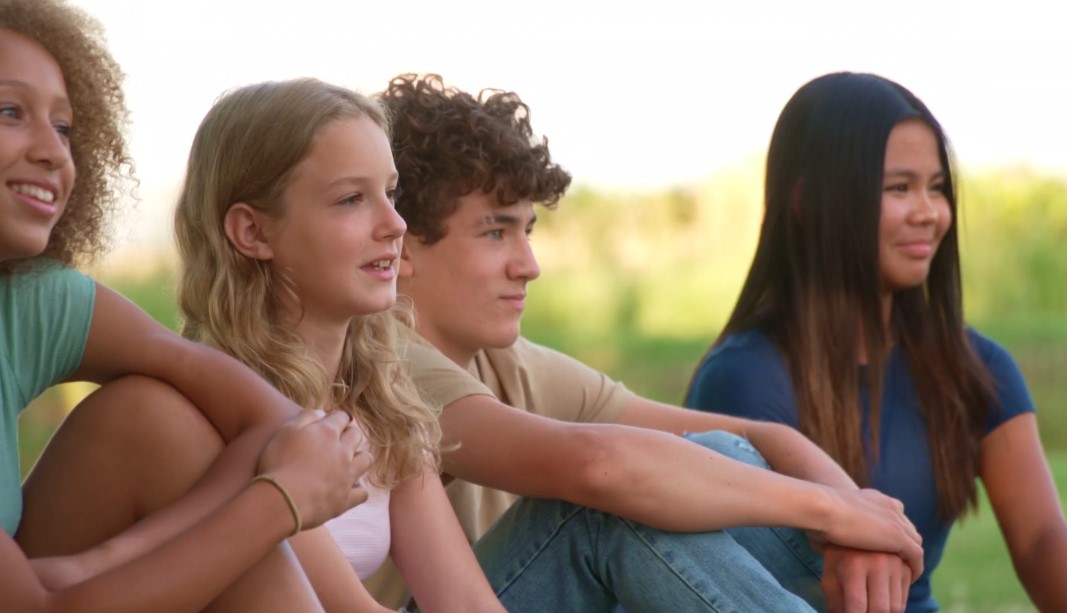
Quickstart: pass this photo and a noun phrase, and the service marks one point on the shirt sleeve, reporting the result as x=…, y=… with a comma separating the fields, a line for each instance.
x=567, y=389
x=1012, y=395
x=745, y=376
x=50, y=310
x=440, y=381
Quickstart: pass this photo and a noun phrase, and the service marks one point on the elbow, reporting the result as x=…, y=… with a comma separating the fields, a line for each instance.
x=601, y=469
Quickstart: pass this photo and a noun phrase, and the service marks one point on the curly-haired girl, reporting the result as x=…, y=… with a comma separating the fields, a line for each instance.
x=62, y=154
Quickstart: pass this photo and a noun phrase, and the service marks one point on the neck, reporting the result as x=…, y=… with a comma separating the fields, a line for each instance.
x=462, y=356
x=325, y=343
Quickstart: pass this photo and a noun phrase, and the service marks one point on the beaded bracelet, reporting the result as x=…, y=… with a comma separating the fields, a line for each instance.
x=288, y=499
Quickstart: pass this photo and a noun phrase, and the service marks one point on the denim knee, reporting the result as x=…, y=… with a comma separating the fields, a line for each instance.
x=730, y=445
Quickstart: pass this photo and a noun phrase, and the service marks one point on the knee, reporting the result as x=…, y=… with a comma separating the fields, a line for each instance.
x=143, y=418
x=730, y=445
x=135, y=405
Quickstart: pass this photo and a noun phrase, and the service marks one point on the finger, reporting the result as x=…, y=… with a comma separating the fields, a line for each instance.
x=361, y=463
x=879, y=585
x=898, y=593
x=305, y=417
x=337, y=421
x=905, y=579
x=356, y=496
x=854, y=593
x=913, y=555
x=831, y=587
x=353, y=438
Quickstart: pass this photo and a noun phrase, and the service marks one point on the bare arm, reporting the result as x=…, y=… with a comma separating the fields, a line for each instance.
x=335, y=582
x=432, y=553
x=1023, y=496
x=787, y=451
x=659, y=479
x=207, y=558
x=123, y=340
x=853, y=579
x=242, y=407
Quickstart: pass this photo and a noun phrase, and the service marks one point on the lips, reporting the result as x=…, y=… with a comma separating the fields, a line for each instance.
x=917, y=249
x=46, y=195
x=515, y=301
x=40, y=199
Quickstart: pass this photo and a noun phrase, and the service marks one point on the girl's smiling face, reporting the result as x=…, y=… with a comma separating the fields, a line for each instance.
x=339, y=238
x=915, y=211
x=36, y=168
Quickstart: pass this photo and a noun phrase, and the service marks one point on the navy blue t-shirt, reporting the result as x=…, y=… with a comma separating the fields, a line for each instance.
x=746, y=376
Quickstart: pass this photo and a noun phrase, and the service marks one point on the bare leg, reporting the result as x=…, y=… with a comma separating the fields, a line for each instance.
x=131, y=448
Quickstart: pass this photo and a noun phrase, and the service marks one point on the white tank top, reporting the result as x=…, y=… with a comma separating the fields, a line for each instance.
x=362, y=532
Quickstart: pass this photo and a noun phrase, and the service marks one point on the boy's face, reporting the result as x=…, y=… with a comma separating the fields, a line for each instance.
x=469, y=288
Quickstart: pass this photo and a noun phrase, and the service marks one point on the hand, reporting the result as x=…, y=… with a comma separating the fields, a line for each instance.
x=868, y=519
x=858, y=581
x=318, y=460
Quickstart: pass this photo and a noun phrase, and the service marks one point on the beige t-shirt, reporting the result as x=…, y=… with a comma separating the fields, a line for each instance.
x=526, y=376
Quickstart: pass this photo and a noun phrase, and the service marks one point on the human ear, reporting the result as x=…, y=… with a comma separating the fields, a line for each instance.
x=244, y=229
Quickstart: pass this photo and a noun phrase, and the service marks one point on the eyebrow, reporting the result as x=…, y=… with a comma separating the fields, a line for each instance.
x=910, y=174
x=22, y=85
x=503, y=219
x=357, y=180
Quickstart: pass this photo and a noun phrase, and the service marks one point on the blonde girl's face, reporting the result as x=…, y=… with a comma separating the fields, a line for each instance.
x=915, y=211
x=339, y=238
x=36, y=168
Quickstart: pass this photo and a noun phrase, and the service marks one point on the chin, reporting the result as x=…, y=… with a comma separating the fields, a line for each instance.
x=503, y=340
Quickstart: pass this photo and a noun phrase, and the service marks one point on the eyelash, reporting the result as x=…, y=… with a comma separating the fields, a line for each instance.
x=13, y=111
x=903, y=188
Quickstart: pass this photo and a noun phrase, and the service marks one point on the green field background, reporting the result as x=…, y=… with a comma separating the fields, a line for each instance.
x=637, y=285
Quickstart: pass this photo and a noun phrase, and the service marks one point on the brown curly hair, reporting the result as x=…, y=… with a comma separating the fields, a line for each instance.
x=447, y=144
x=97, y=140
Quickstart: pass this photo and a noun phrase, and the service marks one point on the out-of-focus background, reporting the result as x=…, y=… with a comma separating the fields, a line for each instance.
x=662, y=112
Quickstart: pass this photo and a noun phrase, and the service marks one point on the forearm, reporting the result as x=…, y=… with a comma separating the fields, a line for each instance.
x=123, y=340
x=791, y=453
x=1041, y=571
x=197, y=566
x=786, y=450
x=432, y=553
x=230, y=395
x=674, y=484
x=226, y=477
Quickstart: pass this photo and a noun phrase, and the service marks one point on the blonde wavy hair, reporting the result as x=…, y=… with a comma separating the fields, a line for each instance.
x=97, y=139
x=245, y=151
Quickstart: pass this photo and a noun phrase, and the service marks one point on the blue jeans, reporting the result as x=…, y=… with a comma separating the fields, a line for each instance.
x=549, y=555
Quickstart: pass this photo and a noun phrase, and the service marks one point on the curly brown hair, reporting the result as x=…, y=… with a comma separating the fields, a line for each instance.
x=447, y=144
x=97, y=140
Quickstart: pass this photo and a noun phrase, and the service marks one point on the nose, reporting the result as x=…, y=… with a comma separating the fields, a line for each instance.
x=391, y=225
x=927, y=208
x=523, y=264
x=48, y=148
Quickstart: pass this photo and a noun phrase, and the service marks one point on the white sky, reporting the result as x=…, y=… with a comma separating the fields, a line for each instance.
x=631, y=95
